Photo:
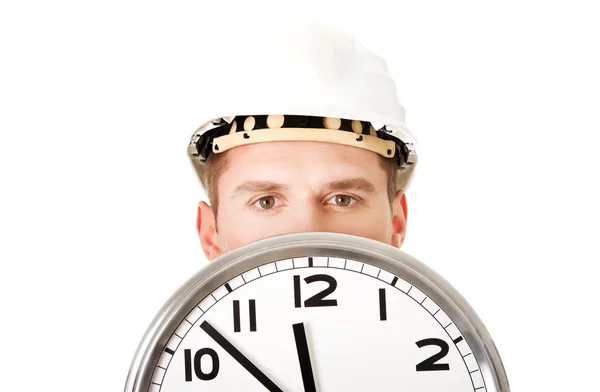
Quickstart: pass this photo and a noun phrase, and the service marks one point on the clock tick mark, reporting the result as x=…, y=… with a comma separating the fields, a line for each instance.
x=170, y=351
x=228, y=287
x=458, y=340
x=394, y=281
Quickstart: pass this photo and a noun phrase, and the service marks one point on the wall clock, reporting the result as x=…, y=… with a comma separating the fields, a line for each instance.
x=309, y=312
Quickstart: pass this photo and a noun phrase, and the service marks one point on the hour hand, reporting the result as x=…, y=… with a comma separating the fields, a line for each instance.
x=304, y=358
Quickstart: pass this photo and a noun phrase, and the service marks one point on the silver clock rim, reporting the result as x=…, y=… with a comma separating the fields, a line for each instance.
x=287, y=246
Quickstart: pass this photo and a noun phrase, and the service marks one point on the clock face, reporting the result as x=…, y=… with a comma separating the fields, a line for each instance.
x=317, y=324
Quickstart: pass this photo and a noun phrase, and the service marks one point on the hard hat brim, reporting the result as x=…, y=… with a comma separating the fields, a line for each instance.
x=224, y=134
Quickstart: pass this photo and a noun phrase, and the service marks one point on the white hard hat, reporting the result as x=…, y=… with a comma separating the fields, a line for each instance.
x=303, y=82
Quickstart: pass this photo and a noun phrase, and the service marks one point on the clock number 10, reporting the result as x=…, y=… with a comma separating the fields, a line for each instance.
x=197, y=368
x=319, y=298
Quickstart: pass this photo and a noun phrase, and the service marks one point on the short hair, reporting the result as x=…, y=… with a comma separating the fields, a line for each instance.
x=218, y=163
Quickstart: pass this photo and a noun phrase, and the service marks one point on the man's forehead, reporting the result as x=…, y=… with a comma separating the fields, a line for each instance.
x=283, y=166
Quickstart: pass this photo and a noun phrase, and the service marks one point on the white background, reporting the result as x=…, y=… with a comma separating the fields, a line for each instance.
x=98, y=200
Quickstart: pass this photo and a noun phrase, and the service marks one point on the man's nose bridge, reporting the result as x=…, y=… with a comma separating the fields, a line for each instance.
x=310, y=219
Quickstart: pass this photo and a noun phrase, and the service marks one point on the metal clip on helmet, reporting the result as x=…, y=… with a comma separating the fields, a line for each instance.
x=312, y=83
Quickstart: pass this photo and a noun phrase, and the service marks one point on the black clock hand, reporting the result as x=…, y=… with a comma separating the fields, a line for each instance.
x=238, y=356
x=304, y=358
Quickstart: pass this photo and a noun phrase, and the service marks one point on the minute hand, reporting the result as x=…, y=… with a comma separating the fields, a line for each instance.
x=238, y=356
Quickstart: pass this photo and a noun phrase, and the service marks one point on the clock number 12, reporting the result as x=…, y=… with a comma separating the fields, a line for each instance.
x=319, y=298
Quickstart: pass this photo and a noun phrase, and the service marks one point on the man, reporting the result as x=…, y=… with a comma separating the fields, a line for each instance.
x=338, y=160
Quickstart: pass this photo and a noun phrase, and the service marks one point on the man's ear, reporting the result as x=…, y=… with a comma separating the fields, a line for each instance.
x=205, y=225
x=399, y=217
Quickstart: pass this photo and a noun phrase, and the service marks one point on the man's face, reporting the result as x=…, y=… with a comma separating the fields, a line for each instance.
x=289, y=187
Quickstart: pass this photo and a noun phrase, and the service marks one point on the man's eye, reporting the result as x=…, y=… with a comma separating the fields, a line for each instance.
x=265, y=203
x=343, y=200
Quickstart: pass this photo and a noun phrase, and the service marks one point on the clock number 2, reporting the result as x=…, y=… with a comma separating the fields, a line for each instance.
x=198, y=364
x=319, y=298
x=430, y=363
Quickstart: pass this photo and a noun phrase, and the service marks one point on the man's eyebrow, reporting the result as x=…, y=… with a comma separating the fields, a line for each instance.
x=359, y=184
x=256, y=187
